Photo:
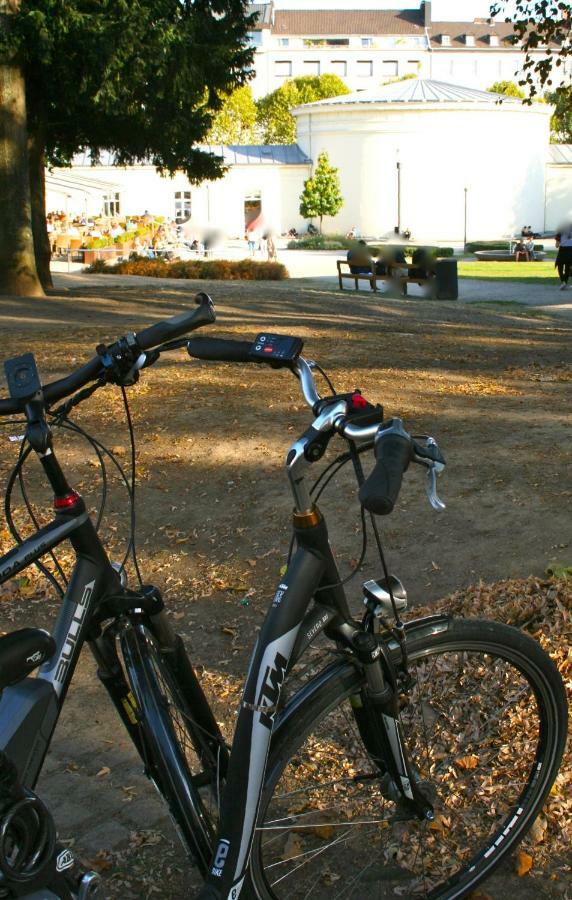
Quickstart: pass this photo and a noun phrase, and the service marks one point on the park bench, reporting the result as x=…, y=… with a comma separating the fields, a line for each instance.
x=344, y=272
x=395, y=275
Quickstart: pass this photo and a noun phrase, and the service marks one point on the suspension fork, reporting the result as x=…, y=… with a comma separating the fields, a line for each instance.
x=376, y=711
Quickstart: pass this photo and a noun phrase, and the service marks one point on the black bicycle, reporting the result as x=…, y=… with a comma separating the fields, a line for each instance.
x=410, y=763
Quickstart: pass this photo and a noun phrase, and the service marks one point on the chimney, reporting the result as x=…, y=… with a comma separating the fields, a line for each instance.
x=427, y=13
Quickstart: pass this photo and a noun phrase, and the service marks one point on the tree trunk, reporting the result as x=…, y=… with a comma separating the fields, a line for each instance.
x=42, y=249
x=17, y=263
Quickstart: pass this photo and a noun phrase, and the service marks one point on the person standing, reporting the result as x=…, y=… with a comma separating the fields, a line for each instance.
x=564, y=256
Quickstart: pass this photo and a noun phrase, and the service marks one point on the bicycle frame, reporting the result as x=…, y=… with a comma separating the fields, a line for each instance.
x=29, y=710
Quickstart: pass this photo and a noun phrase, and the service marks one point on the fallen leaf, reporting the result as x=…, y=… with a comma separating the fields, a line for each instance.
x=522, y=863
x=103, y=772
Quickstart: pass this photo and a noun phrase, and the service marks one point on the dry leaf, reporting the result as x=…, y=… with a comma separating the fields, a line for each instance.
x=468, y=762
x=103, y=772
x=523, y=863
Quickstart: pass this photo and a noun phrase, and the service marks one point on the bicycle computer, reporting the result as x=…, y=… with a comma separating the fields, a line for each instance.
x=281, y=348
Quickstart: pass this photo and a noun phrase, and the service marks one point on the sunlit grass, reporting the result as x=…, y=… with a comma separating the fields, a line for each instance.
x=532, y=272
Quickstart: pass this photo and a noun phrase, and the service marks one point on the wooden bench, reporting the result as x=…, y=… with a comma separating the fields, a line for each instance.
x=370, y=276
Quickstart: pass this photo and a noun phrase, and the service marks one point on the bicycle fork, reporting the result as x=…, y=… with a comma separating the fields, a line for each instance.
x=376, y=711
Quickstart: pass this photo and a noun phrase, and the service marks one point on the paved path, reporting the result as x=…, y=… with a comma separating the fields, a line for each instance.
x=318, y=268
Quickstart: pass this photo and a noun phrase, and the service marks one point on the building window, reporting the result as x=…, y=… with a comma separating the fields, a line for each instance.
x=339, y=67
x=494, y=40
x=111, y=205
x=367, y=42
x=282, y=68
x=446, y=40
x=413, y=65
x=311, y=67
x=470, y=40
x=326, y=42
x=283, y=42
x=182, y=206
x=389, y=68
x=365, y=68
x=255, y=38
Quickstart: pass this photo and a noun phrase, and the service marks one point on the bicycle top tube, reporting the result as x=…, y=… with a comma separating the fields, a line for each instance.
x=167, y=330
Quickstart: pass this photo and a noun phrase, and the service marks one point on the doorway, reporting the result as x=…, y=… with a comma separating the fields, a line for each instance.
x=252, y=208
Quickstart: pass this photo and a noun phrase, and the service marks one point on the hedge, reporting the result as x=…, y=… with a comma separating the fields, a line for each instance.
x=215, y=269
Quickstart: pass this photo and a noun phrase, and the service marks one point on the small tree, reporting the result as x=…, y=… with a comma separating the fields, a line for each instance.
x=276, y=122
x=321, y=195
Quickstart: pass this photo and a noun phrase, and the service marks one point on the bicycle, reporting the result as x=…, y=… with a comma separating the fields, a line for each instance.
x=410, y=730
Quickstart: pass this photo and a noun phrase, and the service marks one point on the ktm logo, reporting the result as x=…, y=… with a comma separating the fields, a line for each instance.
x=270, y=690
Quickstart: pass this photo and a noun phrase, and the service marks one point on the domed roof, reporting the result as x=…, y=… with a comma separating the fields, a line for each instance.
x=416, y=90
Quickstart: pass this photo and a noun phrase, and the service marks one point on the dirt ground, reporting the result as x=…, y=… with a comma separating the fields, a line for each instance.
x=493, y=386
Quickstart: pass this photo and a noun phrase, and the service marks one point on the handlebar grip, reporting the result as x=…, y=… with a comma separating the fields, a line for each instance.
x=179, y=325
x=380, y=491
x=220, y=350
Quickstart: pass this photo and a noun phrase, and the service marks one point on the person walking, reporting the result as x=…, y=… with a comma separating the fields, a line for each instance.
x=564, y=256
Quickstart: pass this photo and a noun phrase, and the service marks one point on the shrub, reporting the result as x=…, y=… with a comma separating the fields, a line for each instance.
x=321, y=242
x=214, y=269
x=97, y=243
x=444, y=252
x=98, y=266
x=473, y=246
x=125, y=238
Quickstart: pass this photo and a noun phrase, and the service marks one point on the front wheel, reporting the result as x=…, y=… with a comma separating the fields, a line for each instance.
x=182, y=748
x=485, y=724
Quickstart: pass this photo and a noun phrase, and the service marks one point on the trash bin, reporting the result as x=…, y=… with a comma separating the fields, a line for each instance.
x=446, y=280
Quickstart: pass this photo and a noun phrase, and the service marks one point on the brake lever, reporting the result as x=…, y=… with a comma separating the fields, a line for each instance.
x=432, y=458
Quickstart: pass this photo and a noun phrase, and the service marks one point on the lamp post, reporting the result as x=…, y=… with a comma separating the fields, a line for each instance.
x=398, y=227
x=465, y=228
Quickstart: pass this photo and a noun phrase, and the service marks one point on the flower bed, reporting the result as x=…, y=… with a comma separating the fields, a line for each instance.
x=215, y=269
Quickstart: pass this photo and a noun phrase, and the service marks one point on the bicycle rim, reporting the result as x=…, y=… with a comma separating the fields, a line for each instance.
x=485, y=725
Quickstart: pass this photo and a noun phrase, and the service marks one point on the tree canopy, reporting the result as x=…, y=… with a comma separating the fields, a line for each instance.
x=561, y=121
x=321, y=195
x=539, y=25
x=141, y=78
x=235, y=122
x=276, y=122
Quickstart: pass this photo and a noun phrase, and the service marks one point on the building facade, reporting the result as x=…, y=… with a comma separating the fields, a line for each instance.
x=369, y=45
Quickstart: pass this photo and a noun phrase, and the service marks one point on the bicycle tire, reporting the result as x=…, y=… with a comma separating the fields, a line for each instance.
x=304, y=848
x=170, y=743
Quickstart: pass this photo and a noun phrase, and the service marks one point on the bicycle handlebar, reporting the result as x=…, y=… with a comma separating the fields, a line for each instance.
x=393, y=453
x=167, y=330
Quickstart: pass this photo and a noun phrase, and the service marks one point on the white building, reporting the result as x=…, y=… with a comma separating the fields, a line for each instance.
x=371, y=41
x=421, y=154
x=416, y=154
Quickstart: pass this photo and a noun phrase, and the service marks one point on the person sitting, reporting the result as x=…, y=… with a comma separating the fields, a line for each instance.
x=529, y=246
x=360, y=260
x=521, y=254
x=423, y=263
x=381, y=264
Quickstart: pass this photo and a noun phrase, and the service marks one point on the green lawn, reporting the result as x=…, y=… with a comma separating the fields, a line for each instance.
x=532, y=272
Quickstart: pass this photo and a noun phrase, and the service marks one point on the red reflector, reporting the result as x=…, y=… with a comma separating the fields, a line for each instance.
x=358, y=402
x=67, y=501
